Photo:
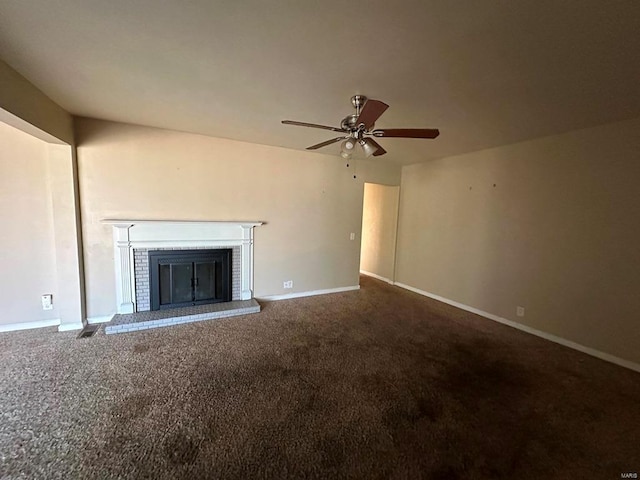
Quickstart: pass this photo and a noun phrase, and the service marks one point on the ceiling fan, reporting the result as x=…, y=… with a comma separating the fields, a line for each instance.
x=357, y=129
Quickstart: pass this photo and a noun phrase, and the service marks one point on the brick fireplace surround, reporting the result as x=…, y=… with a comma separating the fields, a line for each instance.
x=141, y=274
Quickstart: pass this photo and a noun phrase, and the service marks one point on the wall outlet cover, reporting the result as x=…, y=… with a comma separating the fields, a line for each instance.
x=520, y=311
x=47, y=301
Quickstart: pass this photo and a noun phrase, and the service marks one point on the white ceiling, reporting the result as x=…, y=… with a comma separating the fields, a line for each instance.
x=485, y=72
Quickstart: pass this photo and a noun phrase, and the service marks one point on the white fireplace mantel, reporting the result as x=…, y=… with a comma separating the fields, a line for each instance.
x=131, y=234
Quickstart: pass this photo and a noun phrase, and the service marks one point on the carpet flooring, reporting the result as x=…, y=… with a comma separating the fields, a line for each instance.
x=375, y=383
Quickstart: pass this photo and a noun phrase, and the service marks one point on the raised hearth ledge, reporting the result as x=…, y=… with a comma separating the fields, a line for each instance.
x=165, y=318
x=131, y=234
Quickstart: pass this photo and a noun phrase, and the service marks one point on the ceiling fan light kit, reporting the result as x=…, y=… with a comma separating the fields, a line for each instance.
x=368, y=147
x=347, y=148
x=357, y=128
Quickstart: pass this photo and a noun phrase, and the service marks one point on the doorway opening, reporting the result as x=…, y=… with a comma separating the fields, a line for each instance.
x=379, y=230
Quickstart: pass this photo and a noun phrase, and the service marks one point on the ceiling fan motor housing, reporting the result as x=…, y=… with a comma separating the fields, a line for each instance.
x=350, y=122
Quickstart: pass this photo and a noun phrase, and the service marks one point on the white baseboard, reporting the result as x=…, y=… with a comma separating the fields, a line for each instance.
x=67, y=327
x=311, y=293
x=103, y=319
x=379, y=277
x=539, y=333
x=11, y=327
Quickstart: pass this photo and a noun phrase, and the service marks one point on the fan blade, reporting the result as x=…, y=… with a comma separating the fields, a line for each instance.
x=380, y=150
x=407, y=132
x=371, y=112
x=324, y=144
x=313, y=125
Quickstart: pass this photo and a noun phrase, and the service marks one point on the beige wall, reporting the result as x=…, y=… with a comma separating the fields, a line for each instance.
x=557, y=234
x=379, y=226
x=25, y=107
x=310, y=202
x=66, y=223
x=27, y=243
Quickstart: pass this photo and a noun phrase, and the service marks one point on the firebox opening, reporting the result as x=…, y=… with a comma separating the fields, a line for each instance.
x=181, y=278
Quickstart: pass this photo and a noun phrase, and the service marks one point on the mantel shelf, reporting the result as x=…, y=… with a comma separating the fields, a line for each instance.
x=111, y=221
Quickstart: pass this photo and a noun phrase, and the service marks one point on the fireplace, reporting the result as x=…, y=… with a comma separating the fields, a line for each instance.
x=181, y=278
x=132, y=239
x=142, y=273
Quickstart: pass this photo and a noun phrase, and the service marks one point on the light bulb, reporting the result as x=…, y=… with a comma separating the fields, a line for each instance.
x=348, y=145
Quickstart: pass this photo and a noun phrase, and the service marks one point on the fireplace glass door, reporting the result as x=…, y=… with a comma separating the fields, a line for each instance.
x=189, y=277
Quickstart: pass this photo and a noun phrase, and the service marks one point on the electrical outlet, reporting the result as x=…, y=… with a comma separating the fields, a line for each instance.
x=47, y=302
x=520, y=311
x=352, y=236
x=287, y=284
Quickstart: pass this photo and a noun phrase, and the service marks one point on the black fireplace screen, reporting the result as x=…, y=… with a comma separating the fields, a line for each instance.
x=179, y=278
